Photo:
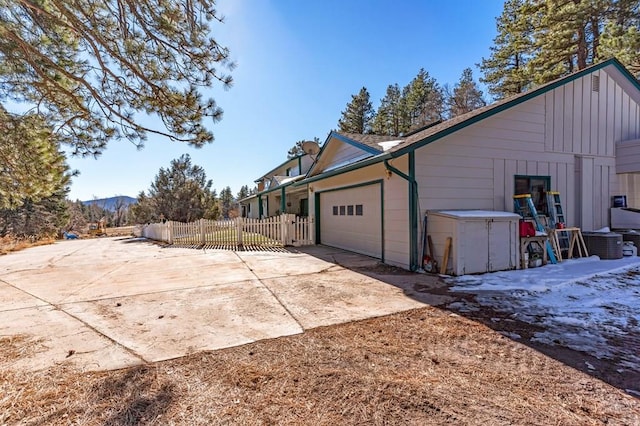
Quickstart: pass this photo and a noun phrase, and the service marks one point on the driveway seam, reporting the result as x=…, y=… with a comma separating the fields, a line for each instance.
x=270, y=291
x=90, y=327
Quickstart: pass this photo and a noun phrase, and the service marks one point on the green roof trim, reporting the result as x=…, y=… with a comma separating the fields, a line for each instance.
x=517, y=100
x=362, y=163
x=296, y=158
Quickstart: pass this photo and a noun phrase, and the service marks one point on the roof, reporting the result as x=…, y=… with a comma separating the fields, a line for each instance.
x=439, y=130
x=457, y=123
x=279, y=166
x=371, y=141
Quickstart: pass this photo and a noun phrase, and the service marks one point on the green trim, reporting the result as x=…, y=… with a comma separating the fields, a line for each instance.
x=316, y=214
x=356, y=144
x=283, y=197
x=297, y=157
x=345, y=169
x=463, y=124
x=413, y=213
x=357, y=185
x=413, y=207
x=518, y=99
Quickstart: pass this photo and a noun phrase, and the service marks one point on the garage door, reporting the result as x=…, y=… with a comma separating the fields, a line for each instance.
x=351, y=219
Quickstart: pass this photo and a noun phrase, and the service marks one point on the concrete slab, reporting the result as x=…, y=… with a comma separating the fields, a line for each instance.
x=272, y=265
x=55, y=338
x=176, y=323
x=12, y=298
x=337, y=297
x=116, y=302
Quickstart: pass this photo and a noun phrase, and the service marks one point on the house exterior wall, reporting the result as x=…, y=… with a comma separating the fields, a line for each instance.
x=395, y=202
x=340, y=154
x=568, y=133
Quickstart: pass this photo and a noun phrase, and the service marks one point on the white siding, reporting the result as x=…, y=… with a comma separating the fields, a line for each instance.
x=474, y=168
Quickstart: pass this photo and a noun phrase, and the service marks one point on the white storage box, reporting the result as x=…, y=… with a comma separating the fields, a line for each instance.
x=482, y=240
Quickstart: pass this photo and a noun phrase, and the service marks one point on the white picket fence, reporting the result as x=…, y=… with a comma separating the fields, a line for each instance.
x=278, y=231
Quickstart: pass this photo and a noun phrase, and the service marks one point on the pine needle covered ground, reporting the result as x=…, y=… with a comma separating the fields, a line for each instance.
x=426, y=366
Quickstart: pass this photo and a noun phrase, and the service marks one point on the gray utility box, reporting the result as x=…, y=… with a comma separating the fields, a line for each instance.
x=482, y=240
x=605, y=245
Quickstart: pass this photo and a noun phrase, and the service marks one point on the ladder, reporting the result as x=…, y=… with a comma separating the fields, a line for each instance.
x=556, y=215
x=523, y=205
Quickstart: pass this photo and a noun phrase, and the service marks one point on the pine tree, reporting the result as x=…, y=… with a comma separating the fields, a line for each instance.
x=391, y=117
x=95, y=67
x=32, y=164
x=466, y=95
x=358, y=115
x=226, y=203
x=567, y=36
x=424, y=100
x=181, y=193
x=243, y=193
x=621, y=35
x=505, y=71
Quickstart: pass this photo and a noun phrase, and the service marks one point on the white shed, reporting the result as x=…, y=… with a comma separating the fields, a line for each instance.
x=482, y=241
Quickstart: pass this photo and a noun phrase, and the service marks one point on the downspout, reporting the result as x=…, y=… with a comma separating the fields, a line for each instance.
x=413, y=207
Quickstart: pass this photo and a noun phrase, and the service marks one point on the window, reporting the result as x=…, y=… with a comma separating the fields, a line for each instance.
x=335, y=210
x=342, y=210
x=358, y=209
x=537, y=186
x=288, y=172
x=349, y=210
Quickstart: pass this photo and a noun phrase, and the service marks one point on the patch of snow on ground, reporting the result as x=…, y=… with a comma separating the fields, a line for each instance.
x=587, y=304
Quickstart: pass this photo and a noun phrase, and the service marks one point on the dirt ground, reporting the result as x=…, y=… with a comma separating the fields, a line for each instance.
x=425, y=366
x=422, y=366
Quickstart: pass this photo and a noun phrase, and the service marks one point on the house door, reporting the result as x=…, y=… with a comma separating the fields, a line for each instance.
x=304, y=207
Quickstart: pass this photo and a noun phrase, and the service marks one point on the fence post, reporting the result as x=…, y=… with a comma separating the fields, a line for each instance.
x=169, y=226
x=239, y=226
x=202, y=234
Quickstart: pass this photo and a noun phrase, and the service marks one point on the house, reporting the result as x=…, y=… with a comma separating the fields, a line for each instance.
x=276, y=193
x=579, y=135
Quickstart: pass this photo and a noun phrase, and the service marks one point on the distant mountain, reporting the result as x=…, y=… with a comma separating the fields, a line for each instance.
x=111, y=203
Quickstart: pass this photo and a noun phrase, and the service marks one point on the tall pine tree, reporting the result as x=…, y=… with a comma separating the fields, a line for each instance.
x=466, y=95
x=424, y=100
x=358, y=115
x=621, y=34
x=391, y=118
x=505, y=70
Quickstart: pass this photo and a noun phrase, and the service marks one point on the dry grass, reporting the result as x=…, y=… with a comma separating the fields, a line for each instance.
x=9, y=243
x=425, y=366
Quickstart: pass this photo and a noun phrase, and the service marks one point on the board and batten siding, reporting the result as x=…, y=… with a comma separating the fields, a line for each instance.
x=395, y=202
x=549, y=135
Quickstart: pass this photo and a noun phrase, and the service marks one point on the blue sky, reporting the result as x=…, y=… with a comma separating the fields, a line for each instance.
x=298, y=63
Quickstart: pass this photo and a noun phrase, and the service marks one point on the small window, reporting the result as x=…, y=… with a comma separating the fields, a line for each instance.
x=335, y=210
x=358, y=209
x=342, y=210
x=349, y=210
x=537, y=186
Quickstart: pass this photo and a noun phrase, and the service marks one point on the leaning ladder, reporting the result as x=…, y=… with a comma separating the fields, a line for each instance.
x=523, y=205
x=556, y=215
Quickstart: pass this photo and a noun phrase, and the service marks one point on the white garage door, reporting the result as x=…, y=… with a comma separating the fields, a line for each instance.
x=351, y=219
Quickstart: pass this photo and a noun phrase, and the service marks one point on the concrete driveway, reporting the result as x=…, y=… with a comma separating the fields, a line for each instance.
x=109, y=303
